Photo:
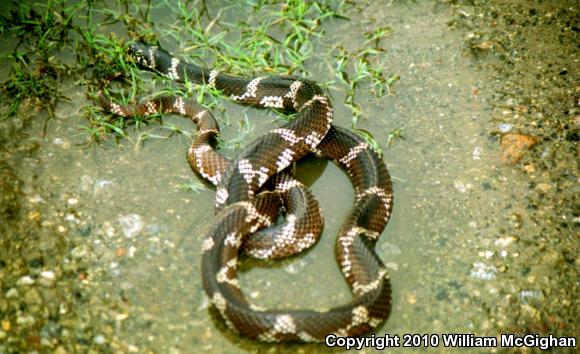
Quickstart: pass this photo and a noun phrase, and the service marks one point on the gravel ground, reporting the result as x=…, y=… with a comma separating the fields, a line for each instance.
x=530, y=52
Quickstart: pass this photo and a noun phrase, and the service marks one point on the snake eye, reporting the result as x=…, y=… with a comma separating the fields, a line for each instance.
x=141, y=58
x=143, y=54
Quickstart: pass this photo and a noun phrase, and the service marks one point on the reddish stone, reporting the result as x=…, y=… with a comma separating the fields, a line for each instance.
x=513, y=146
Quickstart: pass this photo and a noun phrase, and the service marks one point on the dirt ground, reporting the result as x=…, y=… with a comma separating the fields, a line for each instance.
x=526, y=55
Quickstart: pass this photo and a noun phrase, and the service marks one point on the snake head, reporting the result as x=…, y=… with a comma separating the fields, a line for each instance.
x=144, y=54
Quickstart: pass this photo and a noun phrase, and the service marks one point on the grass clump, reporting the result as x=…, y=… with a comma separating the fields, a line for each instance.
x=87, y=42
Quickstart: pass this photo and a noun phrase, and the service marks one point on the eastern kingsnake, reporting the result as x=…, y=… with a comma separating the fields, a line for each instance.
x=254, y=187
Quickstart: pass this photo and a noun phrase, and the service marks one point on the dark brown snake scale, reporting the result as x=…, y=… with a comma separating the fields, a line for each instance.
x=256, y=185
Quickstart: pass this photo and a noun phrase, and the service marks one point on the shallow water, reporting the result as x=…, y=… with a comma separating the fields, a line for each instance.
x=125, y=226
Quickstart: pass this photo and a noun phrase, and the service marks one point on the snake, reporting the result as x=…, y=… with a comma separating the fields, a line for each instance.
x=256, y=186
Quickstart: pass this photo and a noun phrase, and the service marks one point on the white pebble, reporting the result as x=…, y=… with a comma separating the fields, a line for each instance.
x=462, y=186
x=131, y=251
x=131, y=224
x=102, y=186
x=25, y=280
x=505, y=127
x=48, y=274
x=483, y=271
x=486, y=254
x=503, y=241
x=476, y=154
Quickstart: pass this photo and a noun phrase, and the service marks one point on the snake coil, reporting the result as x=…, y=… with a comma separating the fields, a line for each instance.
x=248, y=210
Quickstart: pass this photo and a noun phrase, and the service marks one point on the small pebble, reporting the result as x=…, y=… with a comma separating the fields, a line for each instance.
x=25, y=320
x=131, y=252
x=49, y=274
x=34, y=216
x=503, y=241
x=25, y=280
x=6, y=325
x=486, y=254
x=476, y=154
x=483, y=271
x=505, y=127
x=131, y=225
x=513, y=146
x=47, y=278
x=543, y=187
x=102, y=186
x=531, y=296
x=36, y=199
x=79, y=252
x=462, y=186
x=99, y=339
x=65, y=144
x=296, y=267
